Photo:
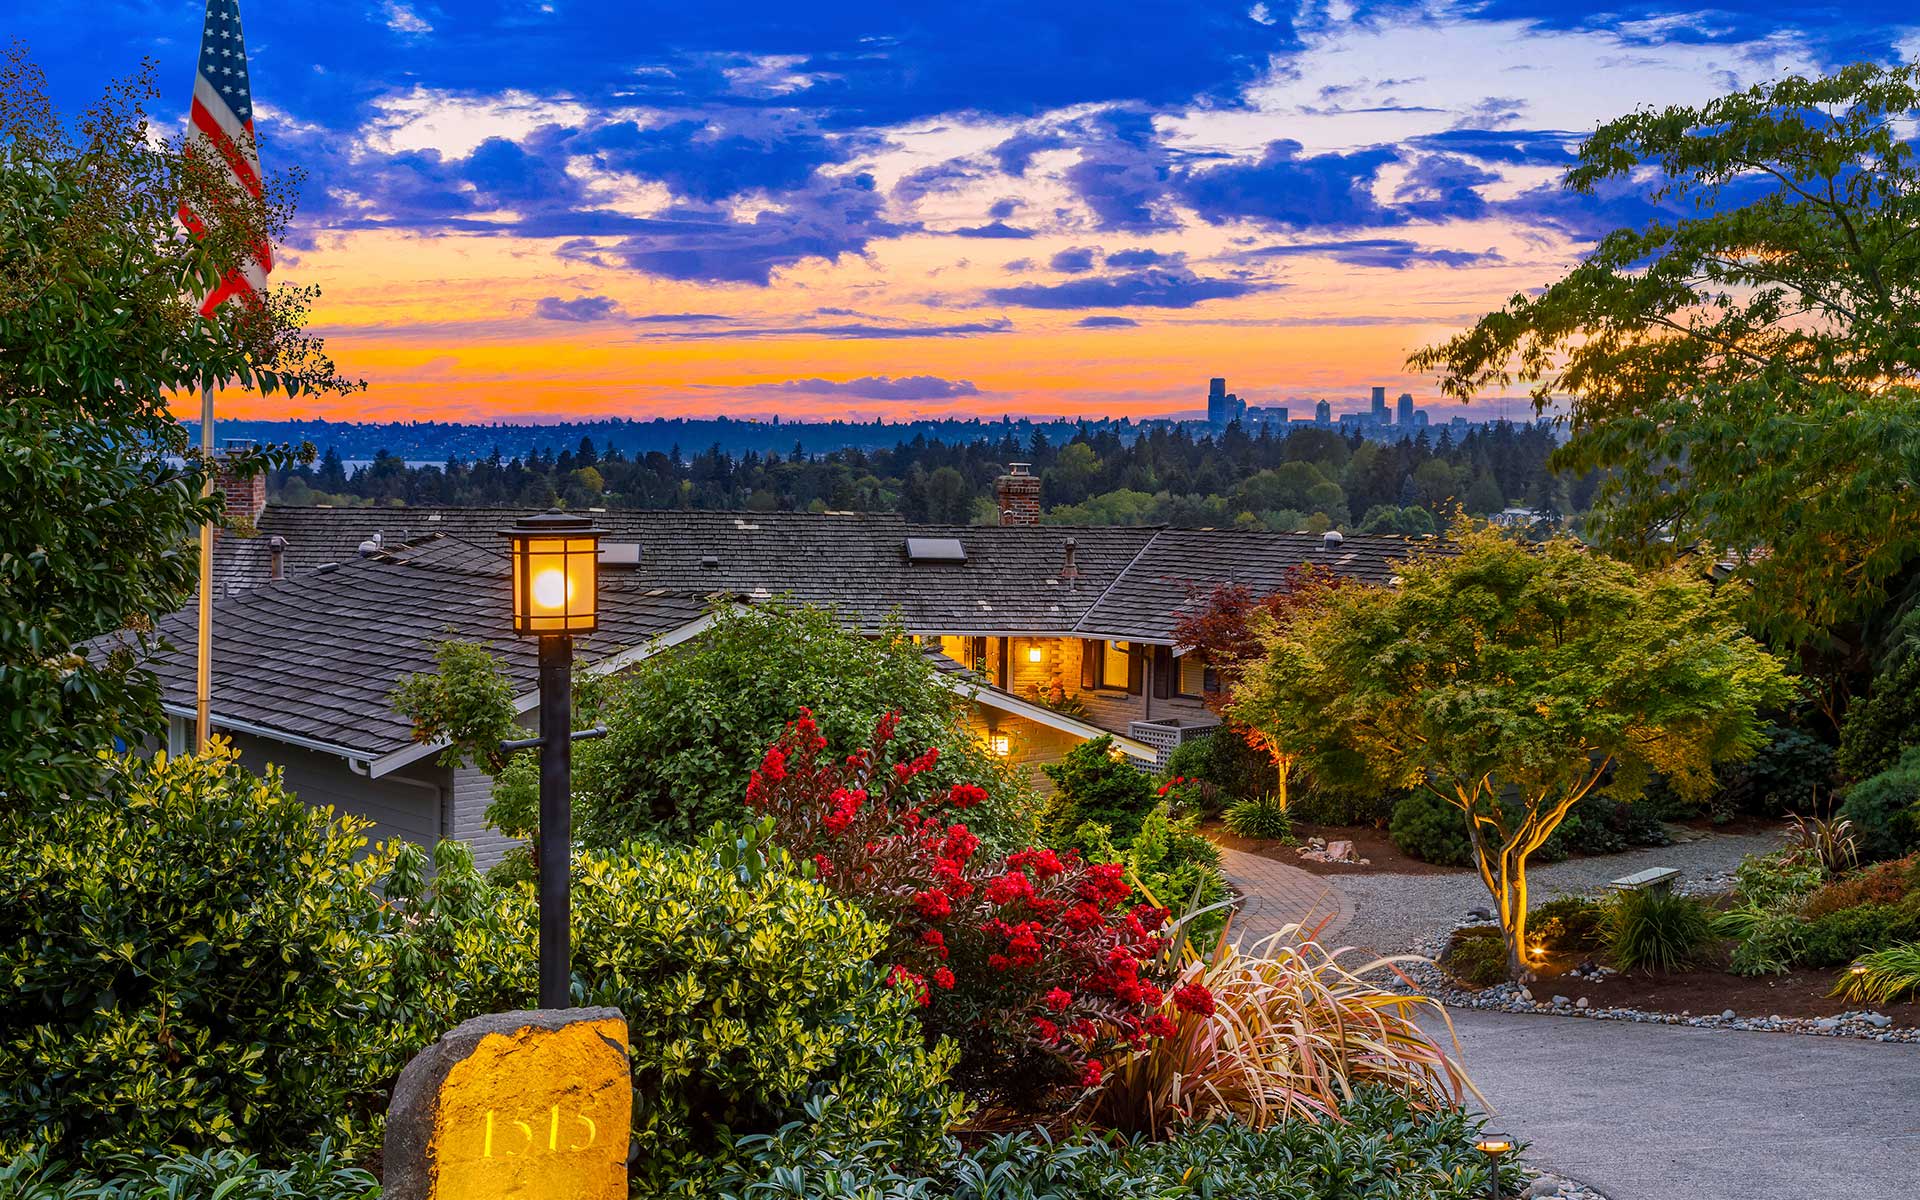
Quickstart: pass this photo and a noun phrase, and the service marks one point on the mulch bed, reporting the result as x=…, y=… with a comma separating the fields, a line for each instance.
x=1710, y=989
x=1384, y=858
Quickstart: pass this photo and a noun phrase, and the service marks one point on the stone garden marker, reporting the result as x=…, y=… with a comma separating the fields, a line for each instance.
x=515, y=1106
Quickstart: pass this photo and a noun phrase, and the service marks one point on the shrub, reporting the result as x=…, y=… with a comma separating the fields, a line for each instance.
x=1882, y=883
x=1476, y=956
x=1569, y=925
x=1768, y=941
x=1777, y=880
x=1882, y=725
x=1599, y=824
x=1260, y=817
x=1226, y=760
x=1313, y=803
x=1093, y=783
x=686, y=727
x=1885, y=976
x=1190, y=796
x=749, y=992
x=192, y=958
x=1428, y=828
x=1882, y=809
x=226, y=1174
x=1840, y=937
x=1656, y=929
x=1032, y=963
x=1179, y=870
x=1786, y=774
x=1381, y=1141
x=1282, y=1031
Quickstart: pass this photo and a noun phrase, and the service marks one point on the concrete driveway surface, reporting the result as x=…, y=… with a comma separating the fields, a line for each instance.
x=1666, y=1112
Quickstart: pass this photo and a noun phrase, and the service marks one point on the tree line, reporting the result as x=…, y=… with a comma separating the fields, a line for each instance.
x=1302, y=478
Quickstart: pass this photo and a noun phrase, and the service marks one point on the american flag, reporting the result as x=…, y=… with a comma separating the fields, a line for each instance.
x=220, y=129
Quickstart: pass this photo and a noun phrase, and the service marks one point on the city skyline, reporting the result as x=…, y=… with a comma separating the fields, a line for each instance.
x=533, y=212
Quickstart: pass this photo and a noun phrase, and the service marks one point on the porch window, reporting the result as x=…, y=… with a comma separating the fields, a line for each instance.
x=1193, y=676
x=1113, y=666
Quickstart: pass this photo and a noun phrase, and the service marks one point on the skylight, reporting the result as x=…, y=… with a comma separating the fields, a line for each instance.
x=935, y=550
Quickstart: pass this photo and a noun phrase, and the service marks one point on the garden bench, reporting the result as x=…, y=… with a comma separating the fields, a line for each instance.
x=1658, y=878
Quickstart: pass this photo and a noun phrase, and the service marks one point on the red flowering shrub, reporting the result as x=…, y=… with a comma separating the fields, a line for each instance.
x=1035, y=964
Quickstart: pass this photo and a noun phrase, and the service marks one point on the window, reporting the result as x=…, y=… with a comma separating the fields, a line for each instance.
x=1115, y=666
x=1193, y=675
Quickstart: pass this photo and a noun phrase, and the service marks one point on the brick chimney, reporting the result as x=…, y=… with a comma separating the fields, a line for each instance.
x=1017, y=493
x=245, y=497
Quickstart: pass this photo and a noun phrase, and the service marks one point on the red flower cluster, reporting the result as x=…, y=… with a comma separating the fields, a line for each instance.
x=1194, y=998
x=1038, y=950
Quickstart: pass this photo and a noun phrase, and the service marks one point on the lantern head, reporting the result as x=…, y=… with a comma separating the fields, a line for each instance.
x=556, y=574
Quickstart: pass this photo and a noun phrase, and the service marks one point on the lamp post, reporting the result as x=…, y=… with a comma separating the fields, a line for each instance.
x=1494, y=1145
x=556, y=581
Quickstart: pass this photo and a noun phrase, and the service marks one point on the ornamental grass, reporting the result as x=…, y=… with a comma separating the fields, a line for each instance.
x=1286, y=1030
x=1883, y=976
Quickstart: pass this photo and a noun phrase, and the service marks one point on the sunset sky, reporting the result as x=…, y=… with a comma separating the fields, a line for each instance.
x=528, y=209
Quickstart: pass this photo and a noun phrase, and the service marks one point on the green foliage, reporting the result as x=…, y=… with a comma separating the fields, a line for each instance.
x=1428, y=828
x=1839, y=937
x=1880, y=726
x=1380, y=1142
x=1225, y=760
x=1886, y=976
x=749, y=992
x=687, y=726
x=1569, y=925
x=1093, y=782
x=213, y=1174
x=1530, y=671
x=193, y=959
x=1476, y=956
x=1764, y=340
x=1790, y=771
x=1601, y=824
x=1260, y=817
x=1311, y=803
x=466, y=700
x=1885, y=809
x=1656, y=929
x=98, y=336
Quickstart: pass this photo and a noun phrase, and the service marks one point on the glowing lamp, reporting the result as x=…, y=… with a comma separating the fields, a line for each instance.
x=1493, y=1145
x=556, y=574
x=1002, y=744
x=1036, y=655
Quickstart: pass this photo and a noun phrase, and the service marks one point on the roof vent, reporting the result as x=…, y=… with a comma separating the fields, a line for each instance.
x=710, y=562
x=1332, y=539
x=1068, y=571
x=935, y=550
x=619, y=554
x=372, y=545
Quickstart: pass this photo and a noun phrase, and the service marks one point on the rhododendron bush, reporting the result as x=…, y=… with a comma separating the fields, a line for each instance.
x=1034, y=963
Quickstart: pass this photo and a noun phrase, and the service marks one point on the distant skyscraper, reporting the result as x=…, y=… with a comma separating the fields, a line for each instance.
x=1380, y=405
x=1404, y=415
x=1322, y=413
x=1223, y=407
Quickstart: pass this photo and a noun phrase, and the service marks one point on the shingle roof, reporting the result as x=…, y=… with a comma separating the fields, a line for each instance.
x=1182, y=566
x=317, y=655
x=1009, y=583
x=1131, y=581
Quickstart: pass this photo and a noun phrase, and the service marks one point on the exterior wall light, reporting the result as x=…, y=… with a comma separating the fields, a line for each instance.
x=1001, y=743
x=1036, y=655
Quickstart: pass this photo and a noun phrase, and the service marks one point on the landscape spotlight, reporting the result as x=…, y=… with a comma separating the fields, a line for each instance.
x=1494, y=1145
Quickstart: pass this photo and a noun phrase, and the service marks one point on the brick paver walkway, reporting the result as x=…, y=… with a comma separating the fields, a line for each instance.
x=1275, y=894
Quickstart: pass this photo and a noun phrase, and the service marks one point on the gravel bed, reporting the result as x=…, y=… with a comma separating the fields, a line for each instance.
x=1430, y=980
x=1545, y=1185
x=1394, y=914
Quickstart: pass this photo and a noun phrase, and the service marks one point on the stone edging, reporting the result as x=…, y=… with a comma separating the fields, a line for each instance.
x=1431, y=981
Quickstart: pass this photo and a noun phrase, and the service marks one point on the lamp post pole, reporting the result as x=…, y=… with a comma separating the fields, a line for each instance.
x=556, y=818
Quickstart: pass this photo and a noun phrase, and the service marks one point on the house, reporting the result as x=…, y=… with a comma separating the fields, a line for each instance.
x=323, y=610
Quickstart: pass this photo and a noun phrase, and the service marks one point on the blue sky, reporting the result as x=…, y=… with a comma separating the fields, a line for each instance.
x=568, y=206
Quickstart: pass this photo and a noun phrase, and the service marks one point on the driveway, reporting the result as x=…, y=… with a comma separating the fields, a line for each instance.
x=1670, y=1112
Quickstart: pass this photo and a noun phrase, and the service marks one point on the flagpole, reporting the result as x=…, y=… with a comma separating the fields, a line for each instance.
x=203, y=682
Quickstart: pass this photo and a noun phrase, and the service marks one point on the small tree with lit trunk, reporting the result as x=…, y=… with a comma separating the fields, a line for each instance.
x=1510, y=681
